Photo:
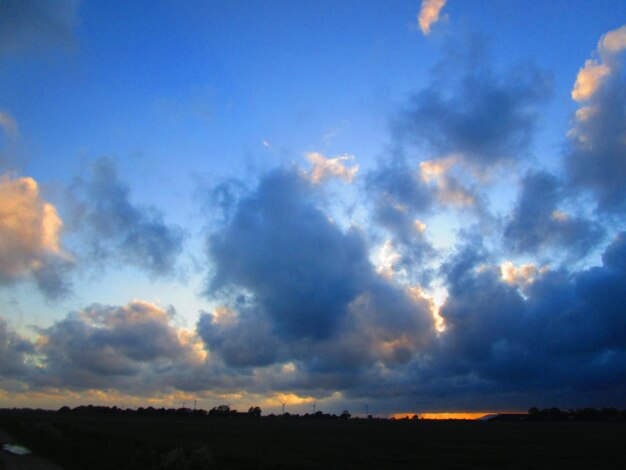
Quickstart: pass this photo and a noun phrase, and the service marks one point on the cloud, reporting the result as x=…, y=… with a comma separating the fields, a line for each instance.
x=470, y=111
x=107, y=347
x=399, y=200
x=399, y=196
x=537, y=223
x=588, y=80
x=402, y=196
x=594, y=73
x=324, y=168
x=521, y=276
x=13, y=352
x=558, y=340
x=30, y=230
x=514, y=336
x=429, y=14
x=449, y=189
x=298, y=288
x=243, y=342
x=115, y=228
x=36, y=24
x=315, y=266
x=613, y=41
x=595, y=156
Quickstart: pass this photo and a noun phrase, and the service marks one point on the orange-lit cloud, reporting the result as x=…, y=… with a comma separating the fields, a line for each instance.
x=521, y=276
x=224, y=316
x=386, y=259
x=449, y=190
x=429, y=14
x=324, y=168
x=589, y=79
x=591, y=76
x=614, y=41
x=435, y=303
x=30, y=228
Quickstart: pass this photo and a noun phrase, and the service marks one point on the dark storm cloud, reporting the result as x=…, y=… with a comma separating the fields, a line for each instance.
x=119, y=229
x=303, y=288
x=36, y=24
x=564, y=336
x=470, y=110
x=595, y=158
x=537, y=223
x=302, y=269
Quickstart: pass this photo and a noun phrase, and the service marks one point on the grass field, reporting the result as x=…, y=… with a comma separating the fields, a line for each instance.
x=136, y=442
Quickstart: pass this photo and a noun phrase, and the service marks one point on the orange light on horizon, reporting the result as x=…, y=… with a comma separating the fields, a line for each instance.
x=451, y=415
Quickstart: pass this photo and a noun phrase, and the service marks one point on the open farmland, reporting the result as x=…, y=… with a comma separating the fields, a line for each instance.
x=81, y=441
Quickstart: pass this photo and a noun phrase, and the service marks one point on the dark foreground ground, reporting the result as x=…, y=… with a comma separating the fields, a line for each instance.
x=136, y=442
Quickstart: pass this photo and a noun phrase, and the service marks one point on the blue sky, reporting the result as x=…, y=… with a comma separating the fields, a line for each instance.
x=256, y=202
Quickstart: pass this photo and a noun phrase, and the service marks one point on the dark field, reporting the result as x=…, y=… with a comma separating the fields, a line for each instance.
x=124, y=442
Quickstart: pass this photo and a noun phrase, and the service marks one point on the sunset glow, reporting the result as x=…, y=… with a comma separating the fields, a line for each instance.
x=443, y=416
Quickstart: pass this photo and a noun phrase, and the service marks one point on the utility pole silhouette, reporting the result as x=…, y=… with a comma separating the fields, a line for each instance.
x=283, y=406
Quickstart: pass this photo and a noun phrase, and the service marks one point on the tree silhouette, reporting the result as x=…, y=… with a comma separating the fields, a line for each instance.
x=254, y=412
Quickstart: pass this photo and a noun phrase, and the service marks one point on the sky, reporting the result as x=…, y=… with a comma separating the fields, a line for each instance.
x=398, y=207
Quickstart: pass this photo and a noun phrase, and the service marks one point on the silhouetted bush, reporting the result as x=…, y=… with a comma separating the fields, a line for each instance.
x=195, y=457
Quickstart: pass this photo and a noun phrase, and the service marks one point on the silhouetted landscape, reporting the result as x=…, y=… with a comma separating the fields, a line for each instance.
x=97, y=437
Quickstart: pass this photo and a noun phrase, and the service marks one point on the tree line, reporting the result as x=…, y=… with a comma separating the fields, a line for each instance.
x=220, y=411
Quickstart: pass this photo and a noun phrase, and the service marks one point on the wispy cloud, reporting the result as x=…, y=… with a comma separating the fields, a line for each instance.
x=117, y=229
